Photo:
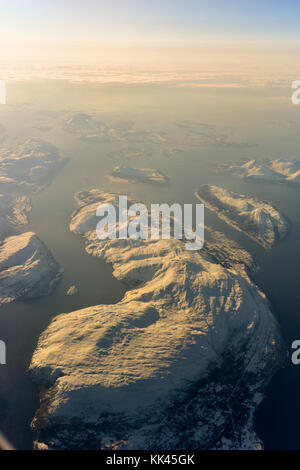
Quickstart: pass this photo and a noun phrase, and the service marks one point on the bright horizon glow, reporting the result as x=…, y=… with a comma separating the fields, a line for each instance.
x=165, y=34
x=117, y=21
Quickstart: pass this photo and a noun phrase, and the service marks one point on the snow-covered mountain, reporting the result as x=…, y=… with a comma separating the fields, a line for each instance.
x=258, y=220
x=27, y=268
x=272, y=171
x=179, y=362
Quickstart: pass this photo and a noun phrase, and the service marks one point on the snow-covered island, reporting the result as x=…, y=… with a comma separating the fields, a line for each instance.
x=257, y=219
x=24, y=169
x=14, y=210
x=87, y=127
x=28, y=166
x=137, y=175
x=179, y=363
x=27, y=268
x=271, y=171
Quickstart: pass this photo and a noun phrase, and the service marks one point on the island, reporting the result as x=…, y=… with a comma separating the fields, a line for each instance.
x=181, y=362
x=256, y=219
x=27, y=268
x=271, y=171
x=137, y=175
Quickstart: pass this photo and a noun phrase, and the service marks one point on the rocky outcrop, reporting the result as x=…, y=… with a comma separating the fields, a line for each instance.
x=72, y=290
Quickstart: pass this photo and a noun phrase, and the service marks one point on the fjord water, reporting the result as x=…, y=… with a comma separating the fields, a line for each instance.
x=262, y=124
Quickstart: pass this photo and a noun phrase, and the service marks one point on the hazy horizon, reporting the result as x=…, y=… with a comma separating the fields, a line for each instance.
x=161, y=35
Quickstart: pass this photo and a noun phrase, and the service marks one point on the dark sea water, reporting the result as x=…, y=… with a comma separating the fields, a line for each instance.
x=250, y=116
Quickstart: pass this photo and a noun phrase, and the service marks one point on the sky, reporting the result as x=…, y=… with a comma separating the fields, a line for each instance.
x=89, y=29
x=144, y=20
